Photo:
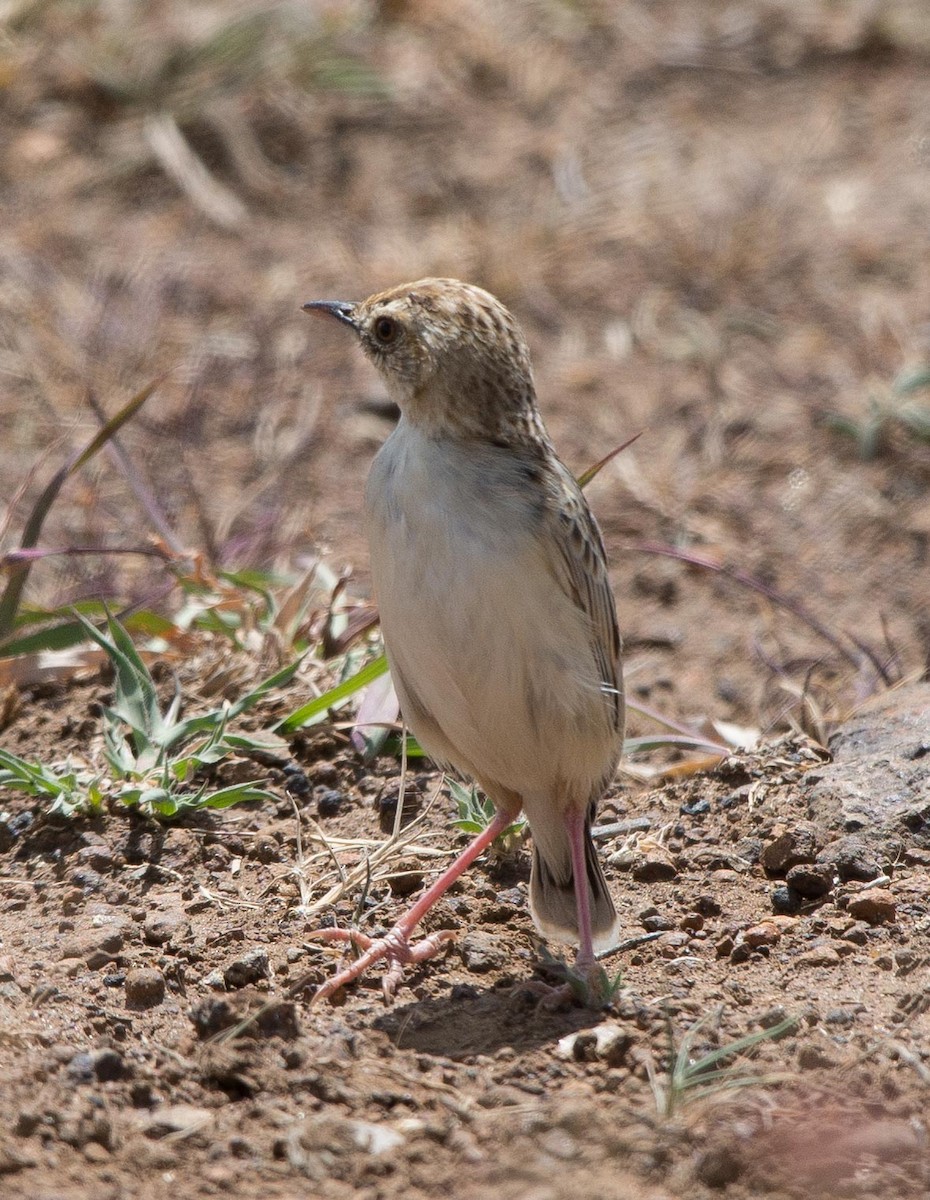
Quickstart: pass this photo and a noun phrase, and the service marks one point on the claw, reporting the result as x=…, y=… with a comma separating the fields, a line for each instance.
x=394, y=948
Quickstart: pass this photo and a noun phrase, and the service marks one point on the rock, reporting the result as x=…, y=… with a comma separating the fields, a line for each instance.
x=99, y=943
x=654, y=866
x=145, y=987
x=655, y=923
x=164, y=927
x=105, y=1065
x=718, y=1167
x=785, y=900
x=406, y=879
x=814, y=1058
x=247, y=968
x=314, y=1144
x=329, y=801
x=810, y=880
x=876, y=906
x=482, y=952
x=851, y=858
x=766, y=933
x=607, y=1042
x=880, y=774
x=818, y=956
x=797, y=845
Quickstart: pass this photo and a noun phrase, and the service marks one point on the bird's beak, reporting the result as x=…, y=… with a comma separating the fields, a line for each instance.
x=340, y=309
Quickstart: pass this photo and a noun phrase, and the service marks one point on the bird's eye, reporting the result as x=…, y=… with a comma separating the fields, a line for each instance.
x=385, y=330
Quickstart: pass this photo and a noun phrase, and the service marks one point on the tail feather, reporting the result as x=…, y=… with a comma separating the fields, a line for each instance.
x=552, y=896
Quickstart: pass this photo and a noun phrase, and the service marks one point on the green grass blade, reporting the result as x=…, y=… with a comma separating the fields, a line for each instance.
x=278, y=679
x=136, y=697
x=317, y=708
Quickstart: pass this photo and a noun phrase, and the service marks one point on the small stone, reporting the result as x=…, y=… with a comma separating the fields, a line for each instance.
x=785, y=900
x=741, y=952
x=707, y=906
x=718, y=1167
x=99, y=944
x=657, y=924
x=818, y=956
x=329, y=801
x=145, y=987
x=105, y=1065
x=851, y=858
x=670, y=945
x=406, y=879
x=163, y=927
x=481, y=952
x=656, y=866
x=876, y=906
x=857, y=933
x=607, y=1042
x=814, y=1058
x=810, y=880
x=766, y=933
x=797, y=845
x=692, y=922
x=247, y=968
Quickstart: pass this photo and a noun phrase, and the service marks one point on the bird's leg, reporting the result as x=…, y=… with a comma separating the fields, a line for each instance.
x=395, y=946
x=575, y=823
x=586, y=980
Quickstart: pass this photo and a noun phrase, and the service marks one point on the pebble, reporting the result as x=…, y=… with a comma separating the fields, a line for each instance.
x=407, y=879
x=875, y=906
x=481, y=952
x=247, y=968
x=785, y=900
x=655, y=866
x=105, y=1065
x=851, y=858
x=766, y=933
x=99, y=943
x=818, y=956
x=798, y=845
x=718, y=1167
x=164, y=927
x=144, y=987
x=810, y=880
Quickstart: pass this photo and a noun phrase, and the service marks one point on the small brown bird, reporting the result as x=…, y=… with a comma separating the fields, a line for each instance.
x=497, y=615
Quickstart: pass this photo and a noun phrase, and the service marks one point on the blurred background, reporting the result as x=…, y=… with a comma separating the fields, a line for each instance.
x=711, y=218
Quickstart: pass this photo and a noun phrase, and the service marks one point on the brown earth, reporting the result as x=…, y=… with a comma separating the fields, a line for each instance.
x=712, y=221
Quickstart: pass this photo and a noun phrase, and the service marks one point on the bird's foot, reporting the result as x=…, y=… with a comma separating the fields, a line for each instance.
x=585, y=982
x=394, y=948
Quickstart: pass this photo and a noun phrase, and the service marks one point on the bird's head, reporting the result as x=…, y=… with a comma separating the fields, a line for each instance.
x=451, y=355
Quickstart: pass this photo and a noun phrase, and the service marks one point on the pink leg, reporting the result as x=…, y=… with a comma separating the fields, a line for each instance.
x=395, y=946
x=574, y=821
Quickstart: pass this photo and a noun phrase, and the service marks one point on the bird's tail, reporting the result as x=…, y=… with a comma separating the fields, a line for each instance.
x=552, y=890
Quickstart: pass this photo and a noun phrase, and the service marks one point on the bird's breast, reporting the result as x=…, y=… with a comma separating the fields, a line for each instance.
x=479, y=631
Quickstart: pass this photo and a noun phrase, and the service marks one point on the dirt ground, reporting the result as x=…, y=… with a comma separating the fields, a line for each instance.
x=711, y=219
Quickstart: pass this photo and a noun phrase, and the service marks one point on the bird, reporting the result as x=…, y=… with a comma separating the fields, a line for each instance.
x=497, y=615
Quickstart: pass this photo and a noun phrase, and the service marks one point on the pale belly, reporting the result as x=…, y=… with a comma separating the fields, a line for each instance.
x=491, y=658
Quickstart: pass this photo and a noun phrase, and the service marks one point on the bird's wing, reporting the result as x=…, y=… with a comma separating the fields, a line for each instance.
x=581, y=566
